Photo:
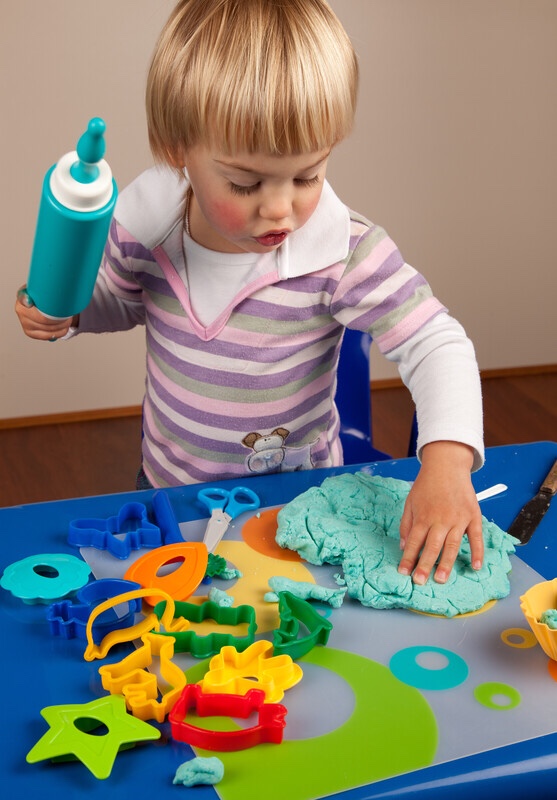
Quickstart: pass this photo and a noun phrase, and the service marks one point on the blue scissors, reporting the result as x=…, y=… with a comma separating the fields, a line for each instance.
x=224, y=507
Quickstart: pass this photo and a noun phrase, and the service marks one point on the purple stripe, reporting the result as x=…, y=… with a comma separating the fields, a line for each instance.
x=390, y=303
x=224, y=421
x=234, y=352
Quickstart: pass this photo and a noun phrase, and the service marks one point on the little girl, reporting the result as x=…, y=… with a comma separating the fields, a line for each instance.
x=245, y=267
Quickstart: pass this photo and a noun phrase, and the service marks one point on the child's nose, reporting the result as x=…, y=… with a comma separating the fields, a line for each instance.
x=276, y=205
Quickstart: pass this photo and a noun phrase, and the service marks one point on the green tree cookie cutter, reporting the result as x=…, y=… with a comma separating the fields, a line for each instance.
x=188, y=641
x=295, y=613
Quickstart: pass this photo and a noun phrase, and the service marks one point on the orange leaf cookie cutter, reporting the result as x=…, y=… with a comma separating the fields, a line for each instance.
x=270, y=727
x=179, y=584
x=231, y=672
x=148, y=623
x=139, y=687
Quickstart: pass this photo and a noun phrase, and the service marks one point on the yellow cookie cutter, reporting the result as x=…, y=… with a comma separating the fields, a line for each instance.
x=537, y=599
x=139, y=687
x=148, y=623
x=231, y=672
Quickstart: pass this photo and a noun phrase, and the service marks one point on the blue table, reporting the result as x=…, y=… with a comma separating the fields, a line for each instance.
x=39, y=670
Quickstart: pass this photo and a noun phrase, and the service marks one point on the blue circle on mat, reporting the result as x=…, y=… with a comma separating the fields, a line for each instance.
x=404, y=666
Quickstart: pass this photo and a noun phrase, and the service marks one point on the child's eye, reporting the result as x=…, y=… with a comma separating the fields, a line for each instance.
x=307, y=182
x=243, y=191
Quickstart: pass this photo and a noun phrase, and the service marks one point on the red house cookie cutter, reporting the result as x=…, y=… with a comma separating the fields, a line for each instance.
x=270, y=727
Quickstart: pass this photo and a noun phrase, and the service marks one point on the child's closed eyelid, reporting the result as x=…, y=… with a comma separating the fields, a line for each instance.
x=243, y=191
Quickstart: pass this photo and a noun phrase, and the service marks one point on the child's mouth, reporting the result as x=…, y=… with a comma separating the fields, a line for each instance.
x=272, y=239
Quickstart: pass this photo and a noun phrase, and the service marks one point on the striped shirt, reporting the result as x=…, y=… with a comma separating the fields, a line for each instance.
x=253, y=391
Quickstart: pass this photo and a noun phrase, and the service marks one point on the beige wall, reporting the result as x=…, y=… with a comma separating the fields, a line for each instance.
x=453, y=152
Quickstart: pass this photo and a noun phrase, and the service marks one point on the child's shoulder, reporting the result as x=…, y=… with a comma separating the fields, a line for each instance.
x=151, y=206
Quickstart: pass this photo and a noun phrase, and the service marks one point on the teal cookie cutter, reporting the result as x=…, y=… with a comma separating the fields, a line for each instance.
x=68, y=618
x=45, y=577
x=102, y=534
x=295, y=613
x=199, y=646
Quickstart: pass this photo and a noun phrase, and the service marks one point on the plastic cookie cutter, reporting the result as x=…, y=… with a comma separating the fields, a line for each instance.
x=139, y=687
x=189, y=641
x=46, y=577
x=224, y=506
x=166, y=519
x=231, y=672
x=72, y=733
x=149, y=622
x=270, y=727
x=537, y=599
x=69, y=619
x=149, y=569
x=131, y=522
x=296, y=615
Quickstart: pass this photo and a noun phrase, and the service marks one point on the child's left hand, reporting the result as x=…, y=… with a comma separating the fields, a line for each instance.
x=440, y=508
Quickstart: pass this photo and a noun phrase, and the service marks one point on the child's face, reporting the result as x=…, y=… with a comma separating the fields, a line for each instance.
x=251, y=202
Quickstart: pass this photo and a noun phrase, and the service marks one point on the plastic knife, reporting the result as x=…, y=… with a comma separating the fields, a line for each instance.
x=530, y=515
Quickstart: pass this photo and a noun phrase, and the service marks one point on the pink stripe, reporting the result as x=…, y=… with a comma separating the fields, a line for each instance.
x=241, y=410
x=369, y=264
x=409, y=325
x=203, y=465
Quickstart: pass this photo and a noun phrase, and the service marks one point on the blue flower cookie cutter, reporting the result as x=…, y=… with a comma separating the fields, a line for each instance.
x=131, y=522
x=68, y=619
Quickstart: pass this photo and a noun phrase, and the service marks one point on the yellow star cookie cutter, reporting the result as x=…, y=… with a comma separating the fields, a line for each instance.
x=140, y=688
x=231, y=672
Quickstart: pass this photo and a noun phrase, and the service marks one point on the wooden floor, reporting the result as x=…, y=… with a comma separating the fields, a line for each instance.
x=79, y=459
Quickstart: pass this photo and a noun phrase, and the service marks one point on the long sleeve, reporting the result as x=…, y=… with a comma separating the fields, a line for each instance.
x=438, y=365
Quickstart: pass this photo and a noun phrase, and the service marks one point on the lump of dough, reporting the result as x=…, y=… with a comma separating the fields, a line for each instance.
x=353, y=520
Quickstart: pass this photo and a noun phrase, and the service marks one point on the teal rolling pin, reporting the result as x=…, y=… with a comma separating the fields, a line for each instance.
x=77, y=204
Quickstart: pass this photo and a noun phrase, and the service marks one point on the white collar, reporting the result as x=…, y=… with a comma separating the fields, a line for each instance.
x=152, y=206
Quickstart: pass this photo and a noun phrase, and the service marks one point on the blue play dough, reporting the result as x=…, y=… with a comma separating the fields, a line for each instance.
x=354, y=519
x=199, y=771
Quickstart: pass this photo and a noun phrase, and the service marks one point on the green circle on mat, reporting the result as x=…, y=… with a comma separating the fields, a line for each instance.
x=379, y=740
x=487, y=694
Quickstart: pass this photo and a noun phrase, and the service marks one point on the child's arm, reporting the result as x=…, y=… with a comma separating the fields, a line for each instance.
x=439, y=510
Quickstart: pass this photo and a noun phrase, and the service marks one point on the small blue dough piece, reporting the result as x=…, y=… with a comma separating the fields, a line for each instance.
x=199, y=771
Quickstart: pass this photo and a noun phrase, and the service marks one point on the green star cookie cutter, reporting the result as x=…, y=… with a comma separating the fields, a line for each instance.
x=295, y=613
x=199, y=646
x=71, y=733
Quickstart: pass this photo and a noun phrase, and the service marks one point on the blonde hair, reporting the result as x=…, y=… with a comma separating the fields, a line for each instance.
x=272, y=76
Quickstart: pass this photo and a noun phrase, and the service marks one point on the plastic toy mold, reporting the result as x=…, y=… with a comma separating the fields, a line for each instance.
x=46, y=577
x=148, y=623
x=199, y=646
x=69, y=619
x=102, y=534
x=68, y=737
x=270, y=727
x=231, y=672
x=539, y=598
x=140, y=688
x=180, y=584
x=295, y=613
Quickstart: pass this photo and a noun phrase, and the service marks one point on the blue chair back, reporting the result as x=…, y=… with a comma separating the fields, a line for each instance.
x=353, y=400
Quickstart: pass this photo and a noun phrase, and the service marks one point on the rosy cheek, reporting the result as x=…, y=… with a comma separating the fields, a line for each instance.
x=228, y=216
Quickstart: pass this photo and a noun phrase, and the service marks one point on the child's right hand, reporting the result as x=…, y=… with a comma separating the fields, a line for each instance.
x=37, y=325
